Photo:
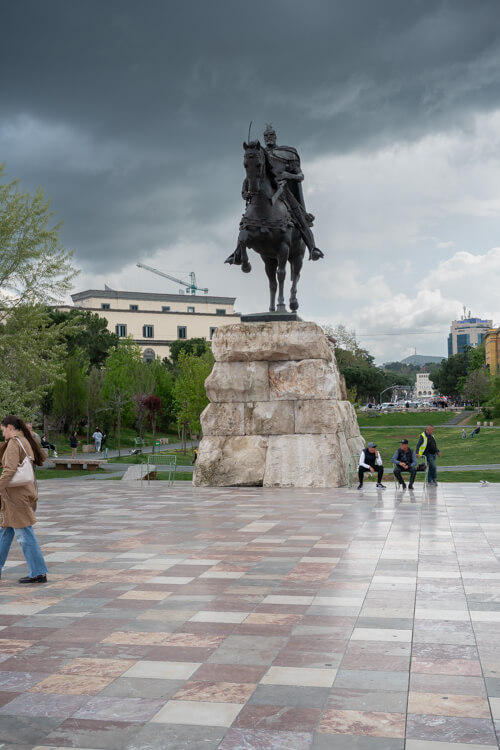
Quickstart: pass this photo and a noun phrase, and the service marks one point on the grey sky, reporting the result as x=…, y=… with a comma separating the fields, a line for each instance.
x=131, y=116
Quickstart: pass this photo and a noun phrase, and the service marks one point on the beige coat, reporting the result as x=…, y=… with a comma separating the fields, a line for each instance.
x=18, y=504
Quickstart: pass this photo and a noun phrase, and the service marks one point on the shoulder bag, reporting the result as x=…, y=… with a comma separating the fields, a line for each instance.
x=24, y=473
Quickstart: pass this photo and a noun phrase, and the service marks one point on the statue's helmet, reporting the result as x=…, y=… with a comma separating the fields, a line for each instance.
x=269, y=131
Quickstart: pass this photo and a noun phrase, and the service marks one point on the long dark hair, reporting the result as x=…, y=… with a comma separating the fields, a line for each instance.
x=19, y=424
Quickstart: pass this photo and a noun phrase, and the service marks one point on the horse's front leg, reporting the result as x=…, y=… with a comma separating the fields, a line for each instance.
x=281, y=274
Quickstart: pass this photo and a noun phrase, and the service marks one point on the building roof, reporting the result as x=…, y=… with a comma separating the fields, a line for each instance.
x=152, y=296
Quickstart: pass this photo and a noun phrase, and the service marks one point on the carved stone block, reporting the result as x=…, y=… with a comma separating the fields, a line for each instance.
x=238, y=381
x=304, y=380
x=305, y=461
x=243, y=342
x=230, y=461
x=223, y=419
x=269, y=418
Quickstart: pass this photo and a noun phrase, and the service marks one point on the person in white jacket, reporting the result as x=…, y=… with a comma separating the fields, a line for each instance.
x=371, y=460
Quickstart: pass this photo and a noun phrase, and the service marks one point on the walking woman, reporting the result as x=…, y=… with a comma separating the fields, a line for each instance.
x=18, y=502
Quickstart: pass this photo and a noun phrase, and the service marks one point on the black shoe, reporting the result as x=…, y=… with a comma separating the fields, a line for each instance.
x=410, y=486
x=360, y=486
x=36, y=579
x=381, y=486
x=403, y=485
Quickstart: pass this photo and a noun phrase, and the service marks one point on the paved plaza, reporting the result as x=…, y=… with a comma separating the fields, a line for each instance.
x=255, y=619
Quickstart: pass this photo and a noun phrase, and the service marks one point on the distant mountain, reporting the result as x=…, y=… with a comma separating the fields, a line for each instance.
x=421, y=359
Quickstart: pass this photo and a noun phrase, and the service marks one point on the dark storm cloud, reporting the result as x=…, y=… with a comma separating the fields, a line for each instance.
x=154, y=98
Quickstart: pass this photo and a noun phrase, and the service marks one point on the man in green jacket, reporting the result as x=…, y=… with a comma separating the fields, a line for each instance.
x=426, y=446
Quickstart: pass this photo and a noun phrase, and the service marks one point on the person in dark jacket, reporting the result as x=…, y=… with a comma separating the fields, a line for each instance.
x=404, y=459
x=73, y=441
x=427, y=446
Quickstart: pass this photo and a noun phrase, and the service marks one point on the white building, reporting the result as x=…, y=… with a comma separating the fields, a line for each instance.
x=424, y=387
x=154, y=321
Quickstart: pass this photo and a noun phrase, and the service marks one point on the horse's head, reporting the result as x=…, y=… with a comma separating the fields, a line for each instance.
x=254, y=162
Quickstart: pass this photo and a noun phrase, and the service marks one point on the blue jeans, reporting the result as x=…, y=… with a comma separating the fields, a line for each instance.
x=432, y=470
x=29, y=545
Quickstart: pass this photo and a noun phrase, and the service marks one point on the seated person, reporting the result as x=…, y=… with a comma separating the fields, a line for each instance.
x=404, y=460
x=369, y=458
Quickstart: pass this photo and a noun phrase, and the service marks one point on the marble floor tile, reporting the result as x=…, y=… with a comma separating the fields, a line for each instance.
x=255, y=619
x=198, y=713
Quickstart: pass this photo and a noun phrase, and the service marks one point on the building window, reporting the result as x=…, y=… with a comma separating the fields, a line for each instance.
x=148, y=332
x=463, y=341
x=133, y=307
x=220, y=311
x=165, y=308
x=212, y=331
x=181, y=332
x=104, y=305
x=191, y=309
x=121, y=330
x=148, y=355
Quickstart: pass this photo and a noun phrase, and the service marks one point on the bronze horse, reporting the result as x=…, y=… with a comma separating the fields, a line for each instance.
x=267, y=228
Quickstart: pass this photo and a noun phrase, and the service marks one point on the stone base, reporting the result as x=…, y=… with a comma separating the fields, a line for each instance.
x=269, y=317
x=278, y=415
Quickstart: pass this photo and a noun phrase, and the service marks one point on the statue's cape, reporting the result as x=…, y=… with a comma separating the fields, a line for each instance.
x=287, y=153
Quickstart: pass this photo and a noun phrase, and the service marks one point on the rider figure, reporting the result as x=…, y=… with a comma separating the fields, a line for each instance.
x=285, y=163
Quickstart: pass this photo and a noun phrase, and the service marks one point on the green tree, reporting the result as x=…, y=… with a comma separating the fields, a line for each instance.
x=34, y=268
x=189, y=390
x=32, y=356
x=188, y=346
x=85, y=331
x=119, y=380
x=447, y=378
x=70, y=392
x=94, y=398
x=477, y=386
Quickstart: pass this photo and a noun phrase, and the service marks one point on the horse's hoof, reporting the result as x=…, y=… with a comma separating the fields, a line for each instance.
x=294, y=305
x=246, y=267
x=281, y=308
x=272, y=309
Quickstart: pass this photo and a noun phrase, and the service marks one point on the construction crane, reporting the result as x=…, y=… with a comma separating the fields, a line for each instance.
x=191, y=288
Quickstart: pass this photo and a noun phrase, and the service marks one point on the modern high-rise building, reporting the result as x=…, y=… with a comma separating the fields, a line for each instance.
x=467, y=332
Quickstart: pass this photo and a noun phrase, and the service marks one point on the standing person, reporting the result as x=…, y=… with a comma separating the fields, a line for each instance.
x=18, y=503
x=426, y=446
x=97, y=436
x=369, y=458
x=73, y=441
x=404, y=459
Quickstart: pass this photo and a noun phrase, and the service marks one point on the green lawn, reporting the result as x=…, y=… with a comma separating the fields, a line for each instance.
x=392, y=419
x=482, y=449
x=182, y=459
x=65, y=474
x=128, y=435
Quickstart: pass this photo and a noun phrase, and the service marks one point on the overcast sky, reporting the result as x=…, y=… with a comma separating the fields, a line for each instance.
x=131, y=116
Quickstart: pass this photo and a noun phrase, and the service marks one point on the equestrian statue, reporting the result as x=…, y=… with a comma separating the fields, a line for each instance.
x=275, y=223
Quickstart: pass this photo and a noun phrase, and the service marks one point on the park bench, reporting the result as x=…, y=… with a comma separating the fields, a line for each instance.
x=78, y=463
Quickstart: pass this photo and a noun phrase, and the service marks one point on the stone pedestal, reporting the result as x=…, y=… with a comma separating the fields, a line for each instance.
x=278, y=415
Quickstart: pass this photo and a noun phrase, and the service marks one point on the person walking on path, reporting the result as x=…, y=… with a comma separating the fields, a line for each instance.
x=404, y=459
x=97, y=436
x=427, y=446
x=18, y=502
x=369, y=458
x=73, y=441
